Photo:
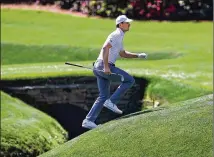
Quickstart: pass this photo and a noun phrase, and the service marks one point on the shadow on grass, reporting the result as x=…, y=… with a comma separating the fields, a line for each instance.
x=163, y=55
x=141, y=112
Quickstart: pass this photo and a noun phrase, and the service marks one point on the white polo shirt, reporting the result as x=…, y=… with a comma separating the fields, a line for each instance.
x=116, y=41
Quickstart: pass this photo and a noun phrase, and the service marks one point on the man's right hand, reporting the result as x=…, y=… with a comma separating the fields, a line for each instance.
x=142, y=55
x=107, y=70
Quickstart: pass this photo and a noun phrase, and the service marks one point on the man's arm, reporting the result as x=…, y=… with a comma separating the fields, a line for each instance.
x=105, y=58
x=126, y=54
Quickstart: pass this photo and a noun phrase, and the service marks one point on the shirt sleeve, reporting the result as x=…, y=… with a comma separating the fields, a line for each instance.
x=112, y=39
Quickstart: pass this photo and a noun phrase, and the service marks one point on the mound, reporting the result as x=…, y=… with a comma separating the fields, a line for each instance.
x=181, y=131
x=26, y=131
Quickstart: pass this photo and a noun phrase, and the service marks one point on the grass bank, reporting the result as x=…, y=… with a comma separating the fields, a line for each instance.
x=26, y=131
x=182, y=131
x=45, y=53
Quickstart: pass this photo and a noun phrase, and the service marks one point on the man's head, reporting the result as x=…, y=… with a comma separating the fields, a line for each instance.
x=123, y=22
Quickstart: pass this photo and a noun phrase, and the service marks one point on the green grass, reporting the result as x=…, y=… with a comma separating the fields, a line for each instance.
x=180, y=52
x=166, y=91
x=182, y=131
x=44, y=53
x=55, y=53
x=179, y=66
x=19, y=27
x=26, y=131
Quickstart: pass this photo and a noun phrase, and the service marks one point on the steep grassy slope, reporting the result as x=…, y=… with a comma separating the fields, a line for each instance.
x=27, y=131
x=181, y=131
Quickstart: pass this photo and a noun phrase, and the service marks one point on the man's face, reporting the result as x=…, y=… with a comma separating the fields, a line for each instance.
x=125, y=26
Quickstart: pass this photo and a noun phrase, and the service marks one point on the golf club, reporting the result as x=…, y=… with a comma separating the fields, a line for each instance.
x=112, y=76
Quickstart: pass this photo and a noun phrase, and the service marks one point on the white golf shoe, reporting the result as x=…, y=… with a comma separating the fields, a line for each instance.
x=108, y=104
x=88, y=124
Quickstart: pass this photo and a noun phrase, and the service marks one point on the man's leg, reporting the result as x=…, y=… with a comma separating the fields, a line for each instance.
x=126, y=84
x=104, y=93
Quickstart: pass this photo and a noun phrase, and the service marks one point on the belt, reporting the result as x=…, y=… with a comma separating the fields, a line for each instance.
x=100, y=60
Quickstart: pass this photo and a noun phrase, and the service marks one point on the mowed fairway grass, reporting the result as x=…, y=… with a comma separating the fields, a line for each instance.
x=179, y=67
x=36, y=44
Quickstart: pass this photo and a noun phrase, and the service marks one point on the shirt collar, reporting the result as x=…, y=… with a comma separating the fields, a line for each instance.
x=121, y=32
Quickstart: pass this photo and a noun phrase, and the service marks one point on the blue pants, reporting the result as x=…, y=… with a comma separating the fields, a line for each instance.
x=104, y=88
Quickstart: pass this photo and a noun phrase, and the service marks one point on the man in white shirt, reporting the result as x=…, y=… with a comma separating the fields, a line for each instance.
x=104, y=66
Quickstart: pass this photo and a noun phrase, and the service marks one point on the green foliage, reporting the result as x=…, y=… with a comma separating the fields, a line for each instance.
x=180, y=131
x=26, y=131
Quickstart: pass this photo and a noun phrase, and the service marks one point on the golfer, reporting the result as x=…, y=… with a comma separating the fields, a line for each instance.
x=111, y=50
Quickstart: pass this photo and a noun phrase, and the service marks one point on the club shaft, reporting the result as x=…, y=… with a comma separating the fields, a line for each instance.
x=122, y=78
x=82, y=66
x=78, y=66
